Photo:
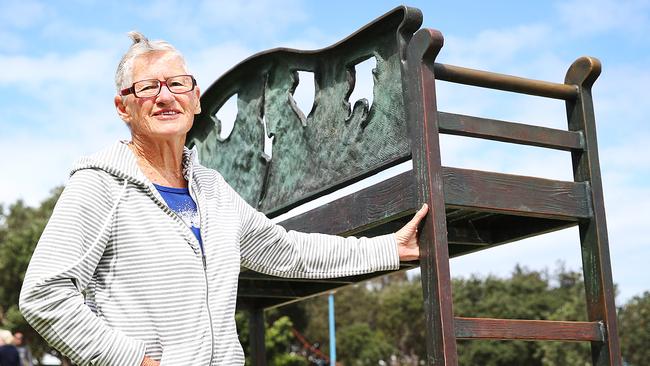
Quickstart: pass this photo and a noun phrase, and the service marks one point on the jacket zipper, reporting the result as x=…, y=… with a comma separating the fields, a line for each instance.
x=203, y=258
x=205, y=268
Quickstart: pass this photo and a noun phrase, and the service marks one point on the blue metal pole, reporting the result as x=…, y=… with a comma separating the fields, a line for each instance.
x=332, y=331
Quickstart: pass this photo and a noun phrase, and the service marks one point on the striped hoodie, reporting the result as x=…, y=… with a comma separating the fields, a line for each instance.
x=117, y=275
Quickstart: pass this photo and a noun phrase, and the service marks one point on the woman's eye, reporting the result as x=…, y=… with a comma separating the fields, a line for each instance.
x=146, y=87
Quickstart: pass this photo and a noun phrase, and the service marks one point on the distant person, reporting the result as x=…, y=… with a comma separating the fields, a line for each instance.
x=8, y=352
x=155, y=241
x=23, y=349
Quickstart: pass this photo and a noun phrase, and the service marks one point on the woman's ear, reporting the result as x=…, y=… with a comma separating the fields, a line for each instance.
x=197, y=107
x=120, y=107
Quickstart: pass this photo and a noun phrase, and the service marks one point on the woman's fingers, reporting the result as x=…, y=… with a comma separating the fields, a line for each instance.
x=415, y=221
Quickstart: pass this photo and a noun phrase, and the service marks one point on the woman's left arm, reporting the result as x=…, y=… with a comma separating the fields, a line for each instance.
x=268, y=248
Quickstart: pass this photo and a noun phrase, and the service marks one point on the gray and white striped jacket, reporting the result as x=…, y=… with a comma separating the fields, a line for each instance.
x=148, y=288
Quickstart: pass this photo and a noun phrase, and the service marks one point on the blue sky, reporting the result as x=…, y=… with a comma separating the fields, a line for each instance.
x=57, y=63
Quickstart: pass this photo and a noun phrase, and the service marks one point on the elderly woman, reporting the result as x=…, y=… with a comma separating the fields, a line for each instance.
x=139, y=262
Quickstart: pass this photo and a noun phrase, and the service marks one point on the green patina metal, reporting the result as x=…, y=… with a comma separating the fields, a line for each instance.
x=336, y=142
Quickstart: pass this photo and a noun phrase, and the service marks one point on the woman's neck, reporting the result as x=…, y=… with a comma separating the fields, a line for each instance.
x=161, y=162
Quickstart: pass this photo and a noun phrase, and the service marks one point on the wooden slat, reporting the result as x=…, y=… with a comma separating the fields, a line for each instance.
x=462, y=75
x=497, y=229
x=462, y=125
x=377, y=204
x=258, y=290
x=546, y=330
x=279, y=289
x=516, y=195
x=253, y=277
x=506, y=229
x=454, y=215
x=468, y=235
x=470, y=190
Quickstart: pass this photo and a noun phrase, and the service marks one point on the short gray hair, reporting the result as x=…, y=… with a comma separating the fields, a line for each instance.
x=141, y=45
x=6, y=337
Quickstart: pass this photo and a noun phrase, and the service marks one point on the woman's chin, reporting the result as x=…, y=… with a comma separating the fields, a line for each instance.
x=170, y=130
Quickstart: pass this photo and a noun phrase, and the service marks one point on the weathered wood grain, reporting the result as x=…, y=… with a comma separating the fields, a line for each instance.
x=544, y=330
x=434, y=252
x=372, y=206
x=478, y=193
x=517, y=195
x=594, y=240
x=519, y=133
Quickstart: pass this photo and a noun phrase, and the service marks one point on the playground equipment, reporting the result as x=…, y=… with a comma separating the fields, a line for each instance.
x=336, y=144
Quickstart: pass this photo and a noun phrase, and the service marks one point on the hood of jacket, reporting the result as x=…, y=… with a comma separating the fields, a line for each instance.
x=120, y=161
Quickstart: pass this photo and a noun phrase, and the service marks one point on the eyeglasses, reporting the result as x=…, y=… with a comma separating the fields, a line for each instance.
x=151, y=87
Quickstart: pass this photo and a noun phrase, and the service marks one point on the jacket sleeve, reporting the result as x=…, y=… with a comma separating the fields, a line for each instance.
x=268, y=248
x=61, y=267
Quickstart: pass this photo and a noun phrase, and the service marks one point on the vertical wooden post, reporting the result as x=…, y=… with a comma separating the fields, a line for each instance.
x=256, y=331
x=422, y=121
x=593, y=232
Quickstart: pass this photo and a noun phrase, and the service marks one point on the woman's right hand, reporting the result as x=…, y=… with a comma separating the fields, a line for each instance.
x=149, y=362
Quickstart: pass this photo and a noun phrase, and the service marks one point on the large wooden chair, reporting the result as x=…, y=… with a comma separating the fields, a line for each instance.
x=336, y=144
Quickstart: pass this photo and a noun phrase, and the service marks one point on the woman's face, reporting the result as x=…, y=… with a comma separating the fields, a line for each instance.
x=167, y=115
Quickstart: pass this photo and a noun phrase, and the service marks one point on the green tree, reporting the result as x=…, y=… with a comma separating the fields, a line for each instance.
x=20, y=228
x=525, y=295
x=353, y=304
x=362, y=346
x=400, y=316
x=570, y=305
x=278, y=339
x=392, y=307
x=635, y=330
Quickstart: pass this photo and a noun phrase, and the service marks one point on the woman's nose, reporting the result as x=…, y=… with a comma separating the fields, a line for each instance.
x=165, y=94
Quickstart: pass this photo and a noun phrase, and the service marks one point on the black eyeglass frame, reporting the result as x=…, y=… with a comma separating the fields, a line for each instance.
x=131, y=89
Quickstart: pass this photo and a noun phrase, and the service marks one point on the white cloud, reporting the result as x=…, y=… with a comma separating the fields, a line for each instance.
x=10, y=42
x=21, y=14
x=38, y=160
x=310, y=39
x=619, y=97
x=629, y=158
x=628, y=239
x=84, y=67
x=33, y=167
x=70, y=114
x=209, y=63
x=586, y=17
x=199, y=23
x=60, y=30
x=494, y=49
x=254, y=16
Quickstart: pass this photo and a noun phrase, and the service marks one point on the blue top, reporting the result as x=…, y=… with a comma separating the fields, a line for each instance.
x=180, y=201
